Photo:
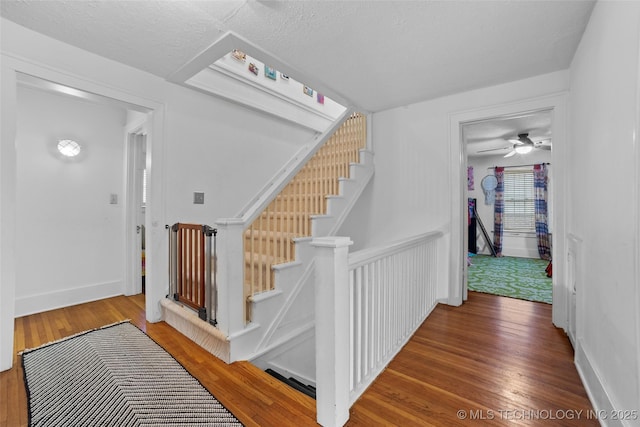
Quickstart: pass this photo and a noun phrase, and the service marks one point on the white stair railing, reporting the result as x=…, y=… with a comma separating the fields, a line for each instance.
x=383, y=294
x=233, y=288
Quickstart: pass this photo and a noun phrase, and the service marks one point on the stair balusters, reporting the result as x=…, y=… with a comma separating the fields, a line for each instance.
x=269, y=240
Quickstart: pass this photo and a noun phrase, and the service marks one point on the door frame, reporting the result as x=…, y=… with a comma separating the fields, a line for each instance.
x=557, y=104
x=156, y=239
x=133, y=204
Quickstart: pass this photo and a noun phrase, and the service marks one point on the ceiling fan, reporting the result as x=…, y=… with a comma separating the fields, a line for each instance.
x=521, y=145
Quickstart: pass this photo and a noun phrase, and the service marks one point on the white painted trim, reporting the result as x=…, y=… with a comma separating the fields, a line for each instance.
x=575, y=272
x=247, y=329
x=155, y=212
x=265, y=342
x=557, y=103
x=465, y=197
x=594, y=387
x=366, y=256
x=66, y=78
x=636, y=214
x=280, y=346
x=358, y=179
x=157, y=242
x=132, y=203
x=263, y=296
x=213, y=82
x=254, y=85
x=229, y=41
x=37, y=303
x=7, y=212
x=370, y=133
x=139, y=126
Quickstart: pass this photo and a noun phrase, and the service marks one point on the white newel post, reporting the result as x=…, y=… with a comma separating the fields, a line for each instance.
x=332, y=329
x=230, y=275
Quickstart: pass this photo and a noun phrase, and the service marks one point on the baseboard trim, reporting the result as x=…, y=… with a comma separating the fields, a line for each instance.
x=593, y=385
x=37, y=303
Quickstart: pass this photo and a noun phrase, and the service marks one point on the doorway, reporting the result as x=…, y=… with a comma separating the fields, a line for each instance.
x=557, y=105
x=78, y=199
x=516, y=143
x=136, y=189
x=11, y=72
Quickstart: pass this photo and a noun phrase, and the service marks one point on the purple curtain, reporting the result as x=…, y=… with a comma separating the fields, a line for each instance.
x=498, y=211
x=540, y=194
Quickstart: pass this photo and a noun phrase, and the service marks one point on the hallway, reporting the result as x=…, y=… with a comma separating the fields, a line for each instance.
x=494, y=359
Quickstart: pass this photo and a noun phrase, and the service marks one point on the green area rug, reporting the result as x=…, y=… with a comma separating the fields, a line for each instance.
x=522, y=278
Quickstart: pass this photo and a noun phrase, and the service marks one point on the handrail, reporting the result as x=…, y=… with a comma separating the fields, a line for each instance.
x=365, y=256
x=269, y=238
x=368, y=305
x=263, y=233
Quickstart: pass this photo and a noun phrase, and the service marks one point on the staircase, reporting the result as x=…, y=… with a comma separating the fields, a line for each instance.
x=270, y=239
x=278, y=275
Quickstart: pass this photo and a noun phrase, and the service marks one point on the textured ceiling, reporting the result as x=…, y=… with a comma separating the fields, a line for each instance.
x=377, y=54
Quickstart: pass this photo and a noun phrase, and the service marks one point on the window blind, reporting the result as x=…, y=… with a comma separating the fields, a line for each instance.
x=519, y=201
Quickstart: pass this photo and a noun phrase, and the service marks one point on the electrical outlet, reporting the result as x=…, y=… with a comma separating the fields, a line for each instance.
x=198, y=198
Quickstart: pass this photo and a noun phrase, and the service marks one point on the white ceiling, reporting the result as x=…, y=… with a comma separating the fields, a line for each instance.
x=375, y=54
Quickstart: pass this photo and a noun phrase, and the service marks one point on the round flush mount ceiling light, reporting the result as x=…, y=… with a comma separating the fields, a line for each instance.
x=68, y=147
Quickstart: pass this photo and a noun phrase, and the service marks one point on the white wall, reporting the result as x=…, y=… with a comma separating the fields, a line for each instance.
x=70, y=239
x=223, y=150
x=603, y=191
x=196, y=143
x=411, y=191
x=523, y=245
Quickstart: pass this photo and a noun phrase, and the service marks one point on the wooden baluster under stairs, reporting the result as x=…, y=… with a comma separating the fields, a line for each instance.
x=269, y=239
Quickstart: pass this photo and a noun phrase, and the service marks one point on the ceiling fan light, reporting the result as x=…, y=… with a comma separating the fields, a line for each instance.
x=524, y=148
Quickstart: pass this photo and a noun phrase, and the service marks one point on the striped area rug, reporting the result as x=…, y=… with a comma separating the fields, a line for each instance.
x=115, y=376
x=522, y=278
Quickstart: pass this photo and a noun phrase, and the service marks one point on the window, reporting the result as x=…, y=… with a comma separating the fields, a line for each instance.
x=519, y=201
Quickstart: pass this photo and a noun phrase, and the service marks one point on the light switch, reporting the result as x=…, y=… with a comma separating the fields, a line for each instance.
x=198, y=198
x=113, y=199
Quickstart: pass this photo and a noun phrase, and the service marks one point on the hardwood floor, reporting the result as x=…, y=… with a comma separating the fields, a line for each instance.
x=498, y=360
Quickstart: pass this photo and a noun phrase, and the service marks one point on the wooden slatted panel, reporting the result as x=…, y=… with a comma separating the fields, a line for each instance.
x=190, y=275
x=269, y=239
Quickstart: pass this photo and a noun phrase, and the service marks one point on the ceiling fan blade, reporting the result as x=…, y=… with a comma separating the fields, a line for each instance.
x=493, y=149
x=509, y=154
